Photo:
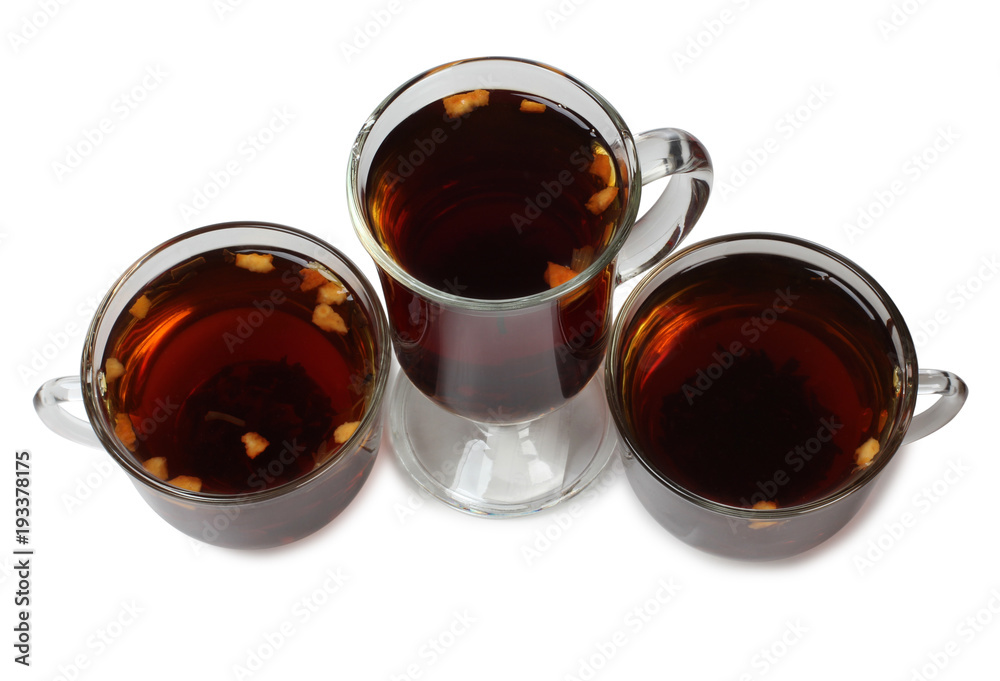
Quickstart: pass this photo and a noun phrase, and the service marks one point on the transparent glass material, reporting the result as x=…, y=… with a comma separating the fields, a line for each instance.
x=767, y=534
x=255, y=519
x=495, y=412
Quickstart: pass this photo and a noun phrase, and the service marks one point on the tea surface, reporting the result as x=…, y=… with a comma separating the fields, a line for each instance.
x=478, y=204
x=762, y=383
x=234, y=374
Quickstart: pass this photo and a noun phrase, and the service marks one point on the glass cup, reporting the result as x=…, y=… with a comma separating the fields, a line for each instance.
x=253, y=519
x=696, y=288
x=495, y=412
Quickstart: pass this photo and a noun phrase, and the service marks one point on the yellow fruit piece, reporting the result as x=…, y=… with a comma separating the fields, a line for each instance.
x=113, y=369
x=602, y=168
x=528, y=106
x=188, y=482
x=255, y=262
x=157, y=466
x=600, y=201
x=325, y=318
x=345, y=431
x=865, y=454
x=763, y=506
x=331, y=293
x=254, y=444
x=125, y=431
x=463, y=103
x=311, y=278
x=140, y=308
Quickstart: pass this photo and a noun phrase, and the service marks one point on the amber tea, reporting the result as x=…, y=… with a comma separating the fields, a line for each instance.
x=755, y=381
x=488, y=194
x=238, y=370
x=496, y=195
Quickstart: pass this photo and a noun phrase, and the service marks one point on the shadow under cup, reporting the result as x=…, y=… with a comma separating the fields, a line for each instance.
x=760, y=383
x=261, y=517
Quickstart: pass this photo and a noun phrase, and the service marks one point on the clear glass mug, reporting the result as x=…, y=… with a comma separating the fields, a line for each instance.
x=748, y=532
x=495, y=412
x=254, y=519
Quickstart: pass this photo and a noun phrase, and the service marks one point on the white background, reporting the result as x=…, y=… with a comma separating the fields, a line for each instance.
x=892, y=90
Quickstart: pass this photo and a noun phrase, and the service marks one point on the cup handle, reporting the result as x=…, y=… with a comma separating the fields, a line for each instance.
x=48, y=404
x=663, y=152
x=953, y=392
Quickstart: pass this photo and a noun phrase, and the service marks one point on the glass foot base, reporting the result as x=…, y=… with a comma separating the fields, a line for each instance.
x=501, y=469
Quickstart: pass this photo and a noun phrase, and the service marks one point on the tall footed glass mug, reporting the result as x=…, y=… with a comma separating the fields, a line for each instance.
x=499, y=200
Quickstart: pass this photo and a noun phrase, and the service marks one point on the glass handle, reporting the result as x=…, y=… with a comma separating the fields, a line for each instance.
x=953, y=392
x=663, y=152
x=49, y=402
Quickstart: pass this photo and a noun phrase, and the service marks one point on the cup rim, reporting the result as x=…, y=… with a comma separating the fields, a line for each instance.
x=908, y=388
x=359, y=214
x=128, y=461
